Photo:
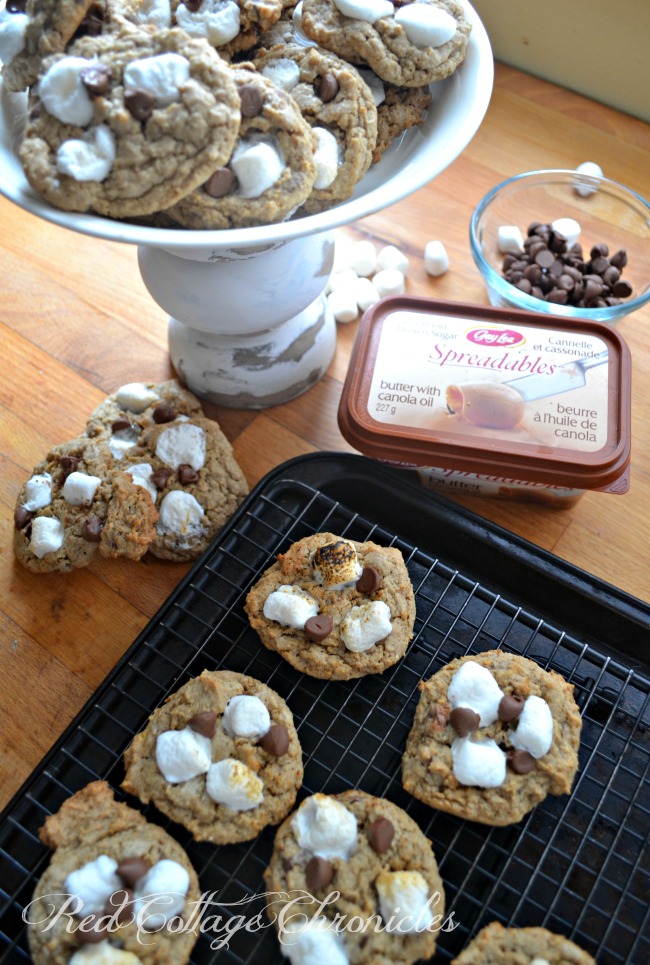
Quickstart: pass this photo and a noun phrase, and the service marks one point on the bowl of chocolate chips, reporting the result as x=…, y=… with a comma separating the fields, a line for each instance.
x=564, y=242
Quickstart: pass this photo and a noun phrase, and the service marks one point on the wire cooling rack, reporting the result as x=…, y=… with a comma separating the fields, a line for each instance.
x=577, y=865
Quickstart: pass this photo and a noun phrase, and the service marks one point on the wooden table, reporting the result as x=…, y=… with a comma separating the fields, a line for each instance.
x=76, y=322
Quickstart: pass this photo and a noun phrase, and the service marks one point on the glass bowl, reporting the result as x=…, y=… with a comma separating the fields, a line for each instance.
x=607, y=212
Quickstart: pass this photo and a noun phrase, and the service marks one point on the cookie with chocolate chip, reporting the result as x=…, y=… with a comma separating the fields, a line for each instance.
x=120, y=853
x=230, y=27
x=493, y=734
x=125, y=413
x=496, y=945
x=236, y=718
x=335, y=608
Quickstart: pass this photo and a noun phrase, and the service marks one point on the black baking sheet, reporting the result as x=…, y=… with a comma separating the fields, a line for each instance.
x=577, y=864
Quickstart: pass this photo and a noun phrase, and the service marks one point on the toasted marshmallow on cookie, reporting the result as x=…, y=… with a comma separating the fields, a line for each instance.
x=403, y=901
x=231, y=783
x=335, y=565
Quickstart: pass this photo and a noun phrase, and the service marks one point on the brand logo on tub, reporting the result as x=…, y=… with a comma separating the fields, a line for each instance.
x=495, y=336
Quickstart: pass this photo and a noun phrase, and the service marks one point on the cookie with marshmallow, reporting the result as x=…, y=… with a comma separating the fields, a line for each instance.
x=335, y=608
x=221, y=757
x=533, y=945
x=230, y=26
x=493, y=735
x=106, y=854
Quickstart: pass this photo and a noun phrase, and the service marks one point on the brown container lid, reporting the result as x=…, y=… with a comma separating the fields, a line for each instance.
x=483, y=389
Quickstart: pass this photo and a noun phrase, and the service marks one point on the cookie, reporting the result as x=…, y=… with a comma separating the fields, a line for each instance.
x=400, y=109
x=362, y=862
x=231, y=27
x=496, y=945
x=108, y=857
x=335, y=608
x=287, y=30
x=493, y=735
x=129, y=122
x=339, y=107
x=189, y=470
x=220, y=757
x=271, y=170
x=408, y=44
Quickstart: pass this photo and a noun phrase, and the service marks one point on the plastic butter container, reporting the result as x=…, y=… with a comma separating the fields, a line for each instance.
x=491, y=401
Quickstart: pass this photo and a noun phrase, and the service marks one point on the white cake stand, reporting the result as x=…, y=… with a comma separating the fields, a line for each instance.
x=249, y=325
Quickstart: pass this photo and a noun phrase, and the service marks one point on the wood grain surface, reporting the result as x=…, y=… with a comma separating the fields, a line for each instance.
x=76, y=322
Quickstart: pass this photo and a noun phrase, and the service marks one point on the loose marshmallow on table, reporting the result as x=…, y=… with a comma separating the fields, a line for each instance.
x=426, y=25
x=135, y=397
x=79, y=488
x=326, y=158
x=182, y=445
x=592, y=170
x=47, y=536
x=368, y=10
x=257, y=165
x=474, y=686
x=231, y=783
x=160, y=894
x=346, y=278
x=568, y=228
x=366, y=625
x=38, y=492
x=478, y=763
x=510, y=239
x=389, y=281
x=103, y=953
x=216, y=21
x=534, y=731
x=324, y=827
x=436, y=259
x=313, y=942
x=246, y=716
x=182, y=755
x=336, y=565
x=343, y=304
x=284, y=73
x=94, y=883
x=365, y=293
x=180, y=515
x=363, y=258
x=141, y=475
x=290, y=606
x=63, y=93
x=404, y=898
x=391, y=257
x=88, y=158
x=12, y=36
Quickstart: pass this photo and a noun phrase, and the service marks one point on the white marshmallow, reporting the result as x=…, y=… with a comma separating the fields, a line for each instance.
x=314, y=942
x=592, y=170
x=343, y=304
x=342, y=252
x=326, y=157
x=94, y=883
x=103, y=953
x=478, y=763
x=436, y=259
x=510, y=239
x=182, y=445
x=63, y=94
x=79, y=488
x=343, y=279
x=88, y=158
x=181, y=515
x=38, y=492
x=363, y=258
x=290, y=606
x=389, y=281
x=135, y=397
x=474, y=686
x=426, y=25
x=366, y=625
x=539, y=961
x=391, y=257
x=119, y=446
x=257, y=165
x=368, y=10
x=182, y=755
x=534, y=731
x=12, y=36
x=216, y=21
x=231, y=783
x=246, y=716
x=568, y=227
x=141, y=475
x=365, y=293
x=47, y=536
x=403, y=897
x=161, y=76
x=336, y=565
x=161, y=893
x=375, y=84
x=155, y=12
x=283, y=72
x=325, y=827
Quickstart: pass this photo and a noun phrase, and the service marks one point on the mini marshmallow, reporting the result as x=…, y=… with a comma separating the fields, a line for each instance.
x=365, y=293
x=436, y=259
x=539, y=961
x=343, y=279
x=366, y=625
x=257, y=166
x=343, y=304
x=375, y=84
x=283, y=72
x=135, y=397
x=569, y=228
x=94, y=883
x=363, y=258
x=161, y=76
x=182, y=445
x=510, y=239
x=141, y=475
x=324, y=827
x=119, y=446
x=534, y=731
x=391, y=257
x=182, y=755
x=342, y=252
x=426, y=25
x=368, y=10
x=38, y=492
x=79, y=488
x=161, y=893
x=290, y=606
x=478, y=763
x=404, y=898
x=181, y=515
x=336, y=565
x=592, y=170
x=326, y=157
x=216, y=21
x=63, y=94
x=231, y=783
x=88, y=158
x=12, y=36
x=474, y=686
x=313, y=942
x=155, y=12
x=103, y=953
x=389, y=281
x=47, y=536
x=246, y=716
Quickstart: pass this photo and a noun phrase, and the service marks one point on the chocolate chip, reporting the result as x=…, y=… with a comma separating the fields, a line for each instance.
x=96, y=79
x=164, y=412
x=204, y=723
x=193, y=5
x=68, y=465
x=118, y=906
x=622, y=289
x=220, y=183
x=91, y=931
x=159, y=478
x=92, y=529
x=22, y=517
x=520, y=761
x=544, y=258
x=139, y=103
x=276, y=740
x=464, y=721
x=130, y=870
x=318, y=873
x=328, y=88
x=619, y=259
x=120, y=424
x=380, y=835
x=510, y=707
x=370, y=580
x=318, y=627
x=187, y=475
x=250, y=100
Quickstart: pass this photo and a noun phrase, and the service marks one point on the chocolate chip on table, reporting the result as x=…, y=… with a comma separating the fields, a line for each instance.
x=370, y=580
x=318, y=873
x=160, y=477
x=251, y=100
x=464, y=721
x=164, y=412
x=276, y=740
x=68, y=465
x=521, y=762
x=204, y=723
x=187, y=475
x=318, y=627
x=510, y=707
x=380, y=835
x=328, y=88
x=220, y=183
x=139, y=103
x=22, y=517
x=130, y=870
x=96, y=79
x=92, y=529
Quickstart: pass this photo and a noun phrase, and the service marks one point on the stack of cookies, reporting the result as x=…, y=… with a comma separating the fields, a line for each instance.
x=219, y=113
